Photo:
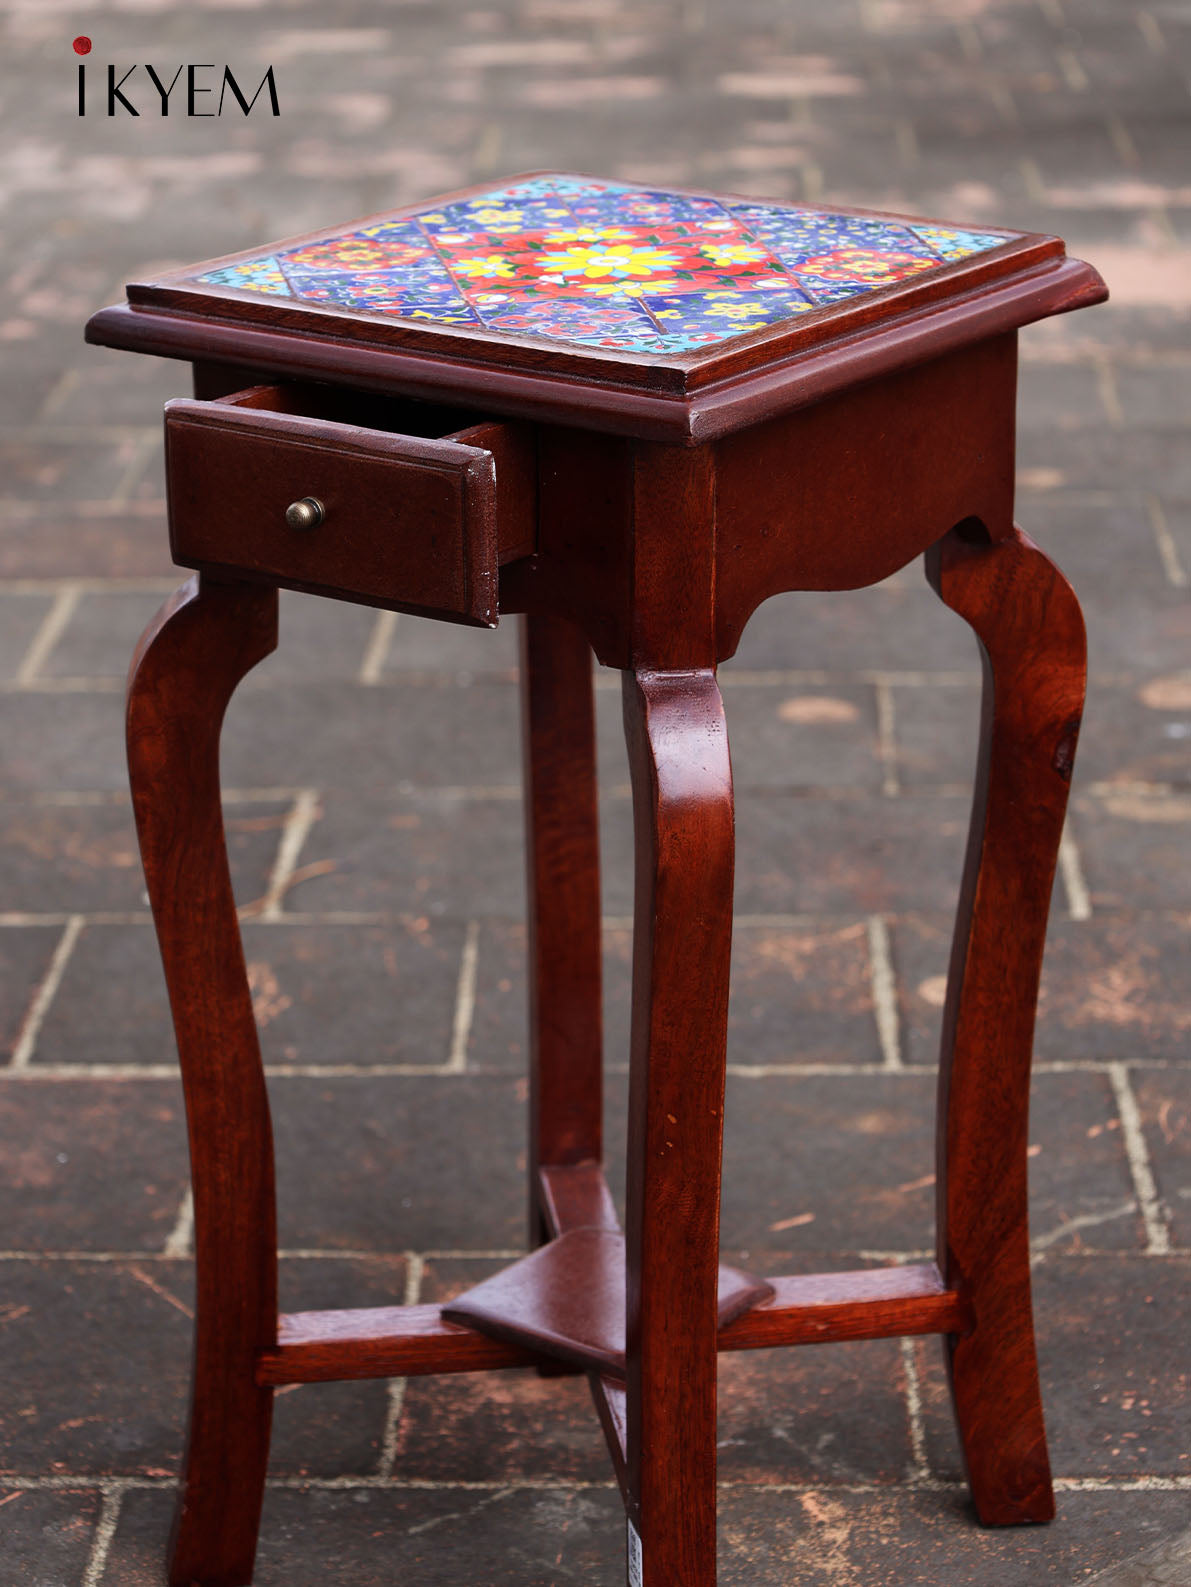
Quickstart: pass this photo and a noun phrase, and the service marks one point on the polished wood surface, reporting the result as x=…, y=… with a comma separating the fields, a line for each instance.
x=639, y=513
x=1032, y=645
x=202, y=642
x=410, y=523
x=682, y=939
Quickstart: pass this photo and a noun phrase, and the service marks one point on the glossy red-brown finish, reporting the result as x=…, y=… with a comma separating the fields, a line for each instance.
x=682, y=938
x=410, y=522
x=201, y=644
x=642, y=513
x=1032, y=645
x=568, y=1300
x=563, y=886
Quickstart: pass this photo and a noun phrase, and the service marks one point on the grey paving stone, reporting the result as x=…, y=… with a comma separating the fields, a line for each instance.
x=885, y=1541
x=94, y=1165
x=1113, y=1364
x=800, y=994
x=25, y=956
x=1113, y=987
x=83, y=856
x=362, y=1537
x=20, y=618
x=323, y=995
x=1165, y=1565
x=45, y=1537
x=1134, y=848
x=399, y=1163
x=427, y=852
x=904, y=628
x=334, y=734
x=88, y=540
x=1164, y=1097
x=123, y=1327
x=850, y=855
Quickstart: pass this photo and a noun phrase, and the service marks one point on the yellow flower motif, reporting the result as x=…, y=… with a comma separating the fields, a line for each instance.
x=496, y=215
x=610, y=289
x=732, y=311
x=732, y=252
x=590, y=234
x=493, y=264
x=620, y=259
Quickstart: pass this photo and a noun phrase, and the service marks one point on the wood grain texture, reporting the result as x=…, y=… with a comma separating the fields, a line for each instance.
x=576, y=1196
x=844, y=493
x=563, y=892
x=872, y=1303
x=567, y=1300
x=380, y=1342
x=411, y=523
x=682, y=934
x=202, y=642
x=1031, y=636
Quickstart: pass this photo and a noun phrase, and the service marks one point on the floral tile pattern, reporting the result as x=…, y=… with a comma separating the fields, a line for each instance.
x=601, y=264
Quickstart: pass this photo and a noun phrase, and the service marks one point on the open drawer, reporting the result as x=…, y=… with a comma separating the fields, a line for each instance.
x=366, y=498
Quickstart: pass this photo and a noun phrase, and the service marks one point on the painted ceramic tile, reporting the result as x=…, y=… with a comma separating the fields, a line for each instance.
x=256, y=275
x=951, y=242
x=603, y=264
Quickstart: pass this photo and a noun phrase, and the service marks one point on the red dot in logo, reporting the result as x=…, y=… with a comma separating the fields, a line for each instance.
x=82, y=45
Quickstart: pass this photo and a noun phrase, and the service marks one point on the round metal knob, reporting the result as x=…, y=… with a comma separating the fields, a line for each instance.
x=307, y=513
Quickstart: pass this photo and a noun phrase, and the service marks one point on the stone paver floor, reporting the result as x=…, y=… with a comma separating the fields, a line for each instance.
x=372, y=768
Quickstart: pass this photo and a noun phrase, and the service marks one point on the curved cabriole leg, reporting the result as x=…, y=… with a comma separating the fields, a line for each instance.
x=1031, y=635
x=682, y=802
x=202, y=642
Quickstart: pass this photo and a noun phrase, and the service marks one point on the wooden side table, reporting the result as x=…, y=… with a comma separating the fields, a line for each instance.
x=631, y=416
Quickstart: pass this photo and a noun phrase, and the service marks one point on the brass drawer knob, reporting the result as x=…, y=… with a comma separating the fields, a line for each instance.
x=306, y=513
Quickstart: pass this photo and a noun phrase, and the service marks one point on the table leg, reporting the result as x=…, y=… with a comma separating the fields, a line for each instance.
x=683, y=815
x=202, y=642
x=1031, y=635
x=563, y=886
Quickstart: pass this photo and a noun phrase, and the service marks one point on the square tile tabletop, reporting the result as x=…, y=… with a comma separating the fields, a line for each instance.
x=569, y=260
x=632, y=309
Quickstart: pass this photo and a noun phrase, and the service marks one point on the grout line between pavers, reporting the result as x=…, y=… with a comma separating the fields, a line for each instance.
x=919, y=1464
x=1138, y=1157
x=395, y=1400
x=1106, y=389
x=180, y=1240
x=1144, y=1482
x=304, y=812
x=465, y=1001
x=348, y=1071
x=887, y=739
x=105, y=1532
x=1079, y=900
x=1150, y=31
x=26, y=1043
x=145, y=445
x=376, y=652
x=347, y=1254
x=53, y=626
x=1168, y=552
x=884, y=985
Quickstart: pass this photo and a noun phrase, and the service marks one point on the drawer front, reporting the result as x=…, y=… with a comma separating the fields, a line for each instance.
x=407, y=522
